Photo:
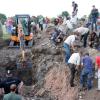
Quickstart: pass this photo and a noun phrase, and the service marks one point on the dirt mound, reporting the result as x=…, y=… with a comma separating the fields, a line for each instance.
x=57, y=82
x=49, y=76
x=55, y=85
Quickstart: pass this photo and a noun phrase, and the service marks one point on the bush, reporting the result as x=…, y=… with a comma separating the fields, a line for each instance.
x=3, y=18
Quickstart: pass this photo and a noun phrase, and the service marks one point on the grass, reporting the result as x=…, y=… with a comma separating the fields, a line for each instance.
x=5, y=34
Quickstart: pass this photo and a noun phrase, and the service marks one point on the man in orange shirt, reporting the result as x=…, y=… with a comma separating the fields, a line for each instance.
x=98, y=68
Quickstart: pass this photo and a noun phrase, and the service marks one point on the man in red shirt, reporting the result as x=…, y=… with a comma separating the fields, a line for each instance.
x=98, y=68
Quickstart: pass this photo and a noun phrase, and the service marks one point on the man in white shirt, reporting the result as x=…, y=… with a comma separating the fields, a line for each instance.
x=84, y=32
x=74, y=20
x=69, y=24
x=69, y=43
x=74, y=63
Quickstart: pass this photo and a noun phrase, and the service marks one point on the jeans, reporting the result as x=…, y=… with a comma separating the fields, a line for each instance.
x=86, y=78
x=73, y=71
x=98, y=31
x=9, y=29
x=94, y=23
x=67, y=52
x=84, y=37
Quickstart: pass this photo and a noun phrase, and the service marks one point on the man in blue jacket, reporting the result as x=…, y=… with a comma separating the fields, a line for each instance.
x=87, y=72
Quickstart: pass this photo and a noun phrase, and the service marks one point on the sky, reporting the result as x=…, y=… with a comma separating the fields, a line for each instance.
x=49, y=8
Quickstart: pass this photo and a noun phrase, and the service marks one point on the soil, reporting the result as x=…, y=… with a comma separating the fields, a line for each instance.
x=48, y=77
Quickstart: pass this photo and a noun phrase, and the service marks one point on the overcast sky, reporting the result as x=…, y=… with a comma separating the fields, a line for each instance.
x=48, y=8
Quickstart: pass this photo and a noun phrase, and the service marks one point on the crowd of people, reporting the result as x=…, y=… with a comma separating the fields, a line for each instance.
x=86, y=34
x=64, y=30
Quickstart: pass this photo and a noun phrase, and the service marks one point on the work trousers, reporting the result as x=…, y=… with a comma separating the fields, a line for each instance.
x=84, y=37
x=86, y=78
x=72, y=68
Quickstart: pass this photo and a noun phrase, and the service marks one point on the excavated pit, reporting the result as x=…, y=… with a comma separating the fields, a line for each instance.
x=46, y=77
x=38, y=62
x=42, y=80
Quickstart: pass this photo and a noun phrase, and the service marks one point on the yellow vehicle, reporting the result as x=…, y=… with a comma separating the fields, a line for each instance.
x=26, y=25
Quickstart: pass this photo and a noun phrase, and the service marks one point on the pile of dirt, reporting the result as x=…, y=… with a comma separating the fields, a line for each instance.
x=48, y=78
x=57, y=82
x=50, y=75
x=7, y=54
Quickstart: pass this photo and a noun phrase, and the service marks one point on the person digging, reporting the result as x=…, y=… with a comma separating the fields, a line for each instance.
x=22, y=42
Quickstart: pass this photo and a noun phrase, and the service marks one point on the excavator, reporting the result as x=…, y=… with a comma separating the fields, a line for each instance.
x=25, y=21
